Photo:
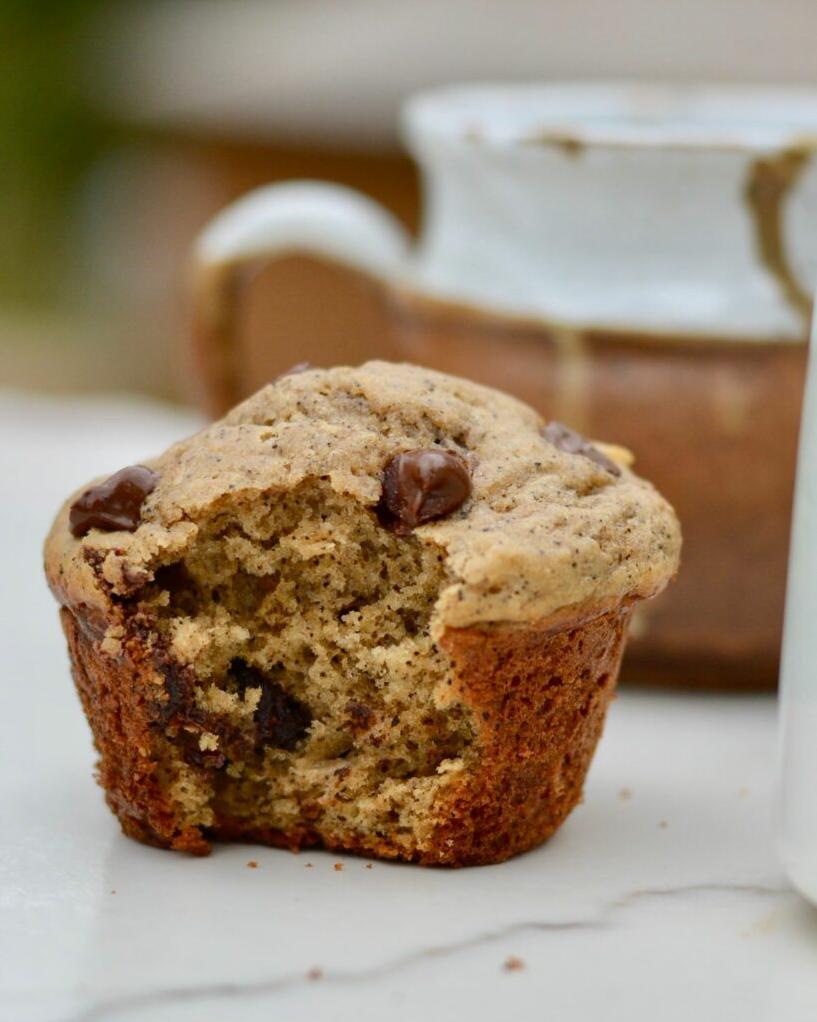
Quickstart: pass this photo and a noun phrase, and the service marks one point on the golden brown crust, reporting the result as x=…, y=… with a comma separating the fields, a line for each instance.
x=539, y=698
x=544, y=528
x=120, y=699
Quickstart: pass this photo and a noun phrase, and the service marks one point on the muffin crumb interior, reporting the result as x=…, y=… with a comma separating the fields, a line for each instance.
x=302, y=687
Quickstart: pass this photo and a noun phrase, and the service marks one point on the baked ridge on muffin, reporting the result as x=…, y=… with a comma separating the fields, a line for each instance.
x=378, y=609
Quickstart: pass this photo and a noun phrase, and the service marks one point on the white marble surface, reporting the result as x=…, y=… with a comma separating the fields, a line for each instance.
x=660, y=899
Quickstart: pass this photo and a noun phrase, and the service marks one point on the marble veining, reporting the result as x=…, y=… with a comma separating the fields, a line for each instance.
x=660, y=899
x=211, y=994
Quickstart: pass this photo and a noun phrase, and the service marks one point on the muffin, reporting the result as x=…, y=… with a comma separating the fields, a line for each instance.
x=377, y=609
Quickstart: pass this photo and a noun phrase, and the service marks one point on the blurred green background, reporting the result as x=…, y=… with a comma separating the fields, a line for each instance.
x=104, y=182
x=51, y=134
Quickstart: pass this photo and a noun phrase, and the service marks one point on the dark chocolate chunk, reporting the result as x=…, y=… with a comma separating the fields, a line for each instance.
x=114, y=504
x=179, y=683
x=208, y=759
x=571, y=442
x=180, y=586
x=421, y=485
x=281, y=720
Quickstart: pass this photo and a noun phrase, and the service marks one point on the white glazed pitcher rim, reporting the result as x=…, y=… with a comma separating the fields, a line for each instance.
x=612, y=114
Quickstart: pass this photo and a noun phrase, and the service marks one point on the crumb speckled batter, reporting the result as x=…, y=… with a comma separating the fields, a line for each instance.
x=543, y=530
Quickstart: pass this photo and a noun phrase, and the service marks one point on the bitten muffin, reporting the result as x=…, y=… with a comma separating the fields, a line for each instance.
x=377, y=609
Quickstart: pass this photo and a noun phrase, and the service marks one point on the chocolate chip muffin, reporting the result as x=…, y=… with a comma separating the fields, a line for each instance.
x=376, y=609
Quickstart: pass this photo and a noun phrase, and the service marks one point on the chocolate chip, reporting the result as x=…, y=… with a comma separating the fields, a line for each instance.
x=114, y=504
x=179, y=683
x=424, y=484
x=281, y=720
x=180, y=586
x=209, y=759
x=571, y=442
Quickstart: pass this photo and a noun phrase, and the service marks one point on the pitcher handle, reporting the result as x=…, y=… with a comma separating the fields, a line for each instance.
x=299, y=217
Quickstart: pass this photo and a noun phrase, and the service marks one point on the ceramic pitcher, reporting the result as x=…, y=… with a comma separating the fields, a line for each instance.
x=630, y=259
x=798, y=695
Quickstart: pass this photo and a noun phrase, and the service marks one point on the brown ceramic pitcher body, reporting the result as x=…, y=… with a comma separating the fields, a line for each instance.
x=630, y=260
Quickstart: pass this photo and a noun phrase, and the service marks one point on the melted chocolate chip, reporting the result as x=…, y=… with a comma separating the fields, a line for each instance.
x=571, y=442
x=209, y=759
x=114, y=504
x=281, y=720
x=424, y=484
x=178, y=685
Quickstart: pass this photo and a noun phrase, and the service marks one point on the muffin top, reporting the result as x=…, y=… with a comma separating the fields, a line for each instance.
x=551, y=524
